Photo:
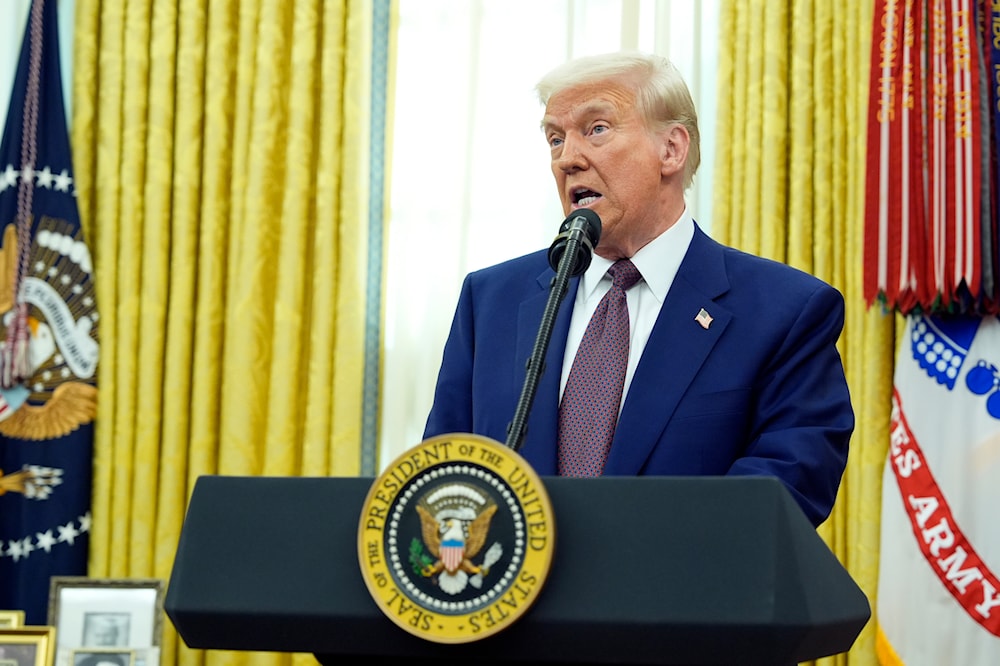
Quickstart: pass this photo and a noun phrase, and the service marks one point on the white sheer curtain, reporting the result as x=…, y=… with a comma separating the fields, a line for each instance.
x=13, y=19
x=471, y=184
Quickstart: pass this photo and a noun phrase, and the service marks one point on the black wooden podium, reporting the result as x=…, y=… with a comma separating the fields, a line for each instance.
x=647, y=570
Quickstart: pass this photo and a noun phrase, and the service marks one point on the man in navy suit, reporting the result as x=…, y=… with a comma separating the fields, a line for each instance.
x=732, y=362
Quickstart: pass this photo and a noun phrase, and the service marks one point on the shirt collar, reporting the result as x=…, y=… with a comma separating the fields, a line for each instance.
x=658, y=261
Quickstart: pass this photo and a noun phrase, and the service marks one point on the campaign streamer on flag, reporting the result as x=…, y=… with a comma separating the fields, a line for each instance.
x=939, y=591
x=894, y=207
x=48, y=337
x=930, y=229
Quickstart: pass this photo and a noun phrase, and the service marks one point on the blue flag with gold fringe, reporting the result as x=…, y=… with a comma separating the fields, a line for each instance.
x=48, y=336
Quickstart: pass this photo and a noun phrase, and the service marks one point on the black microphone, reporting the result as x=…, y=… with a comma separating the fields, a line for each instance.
x=570, y=253
x=584, y=227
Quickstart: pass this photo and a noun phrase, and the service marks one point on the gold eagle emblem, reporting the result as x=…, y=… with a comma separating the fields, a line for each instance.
x=454, y=529
x=59, y=402
x=454, y=523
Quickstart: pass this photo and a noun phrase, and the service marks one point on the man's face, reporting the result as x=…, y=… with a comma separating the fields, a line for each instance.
x=605, y=158
x=105, y=634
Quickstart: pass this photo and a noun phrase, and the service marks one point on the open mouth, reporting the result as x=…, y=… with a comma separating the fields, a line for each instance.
x=584, y=197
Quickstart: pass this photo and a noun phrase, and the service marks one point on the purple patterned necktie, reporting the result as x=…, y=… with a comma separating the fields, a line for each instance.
x=592, y=398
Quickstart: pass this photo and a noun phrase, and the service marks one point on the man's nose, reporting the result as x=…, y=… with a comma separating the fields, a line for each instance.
x=573, y=156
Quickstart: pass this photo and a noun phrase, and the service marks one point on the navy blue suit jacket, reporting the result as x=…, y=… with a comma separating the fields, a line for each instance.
x=761, y=391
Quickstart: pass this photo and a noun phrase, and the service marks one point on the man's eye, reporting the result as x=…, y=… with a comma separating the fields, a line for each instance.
x=555, y=141
x=599, y=129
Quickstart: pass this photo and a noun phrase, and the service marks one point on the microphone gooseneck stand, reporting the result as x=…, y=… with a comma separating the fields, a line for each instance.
x=569, y=264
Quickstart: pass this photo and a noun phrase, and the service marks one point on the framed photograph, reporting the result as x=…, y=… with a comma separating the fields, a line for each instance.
x=96, y=657
x=27, y=646
x=11, y=619
x=115, y=615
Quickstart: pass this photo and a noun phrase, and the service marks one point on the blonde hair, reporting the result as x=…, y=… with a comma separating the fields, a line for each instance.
x=661, y=94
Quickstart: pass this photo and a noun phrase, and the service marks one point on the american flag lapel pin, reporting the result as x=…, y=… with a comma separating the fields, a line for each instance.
x=703, y=318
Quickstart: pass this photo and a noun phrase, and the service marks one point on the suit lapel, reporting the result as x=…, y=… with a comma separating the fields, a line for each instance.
x=541, y=434
x=676, y=350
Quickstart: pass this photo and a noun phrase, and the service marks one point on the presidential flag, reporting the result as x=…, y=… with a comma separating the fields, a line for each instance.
x=938, y=591
x=48, y=336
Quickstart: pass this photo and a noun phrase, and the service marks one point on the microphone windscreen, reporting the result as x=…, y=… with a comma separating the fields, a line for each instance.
x=593, y=226
x=585, y=225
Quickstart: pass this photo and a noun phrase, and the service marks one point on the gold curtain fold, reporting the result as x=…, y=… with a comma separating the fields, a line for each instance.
x=222, y=158
x=790, y=185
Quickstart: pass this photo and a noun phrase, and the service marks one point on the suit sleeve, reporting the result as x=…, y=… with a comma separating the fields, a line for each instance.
x=804, y=419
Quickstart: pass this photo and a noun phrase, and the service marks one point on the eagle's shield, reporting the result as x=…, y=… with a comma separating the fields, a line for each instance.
x=452, y=553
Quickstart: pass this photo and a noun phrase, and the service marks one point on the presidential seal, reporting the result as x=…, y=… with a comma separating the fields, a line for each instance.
x=456, y=538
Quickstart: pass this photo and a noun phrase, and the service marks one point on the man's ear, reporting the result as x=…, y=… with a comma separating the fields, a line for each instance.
x=674, y=149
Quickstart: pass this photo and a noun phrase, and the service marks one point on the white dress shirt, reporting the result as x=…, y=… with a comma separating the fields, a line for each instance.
x=658, y=262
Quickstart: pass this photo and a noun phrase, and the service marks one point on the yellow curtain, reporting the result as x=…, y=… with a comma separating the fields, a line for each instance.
x=222, y=157
x=790, y=185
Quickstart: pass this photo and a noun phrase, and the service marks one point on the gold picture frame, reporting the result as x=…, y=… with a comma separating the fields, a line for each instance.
x=102, y=615
x=27, y=646
x=11, y=619
x=102, y=657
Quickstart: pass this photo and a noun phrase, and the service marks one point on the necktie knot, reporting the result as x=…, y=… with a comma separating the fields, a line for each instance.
x=624, y=274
